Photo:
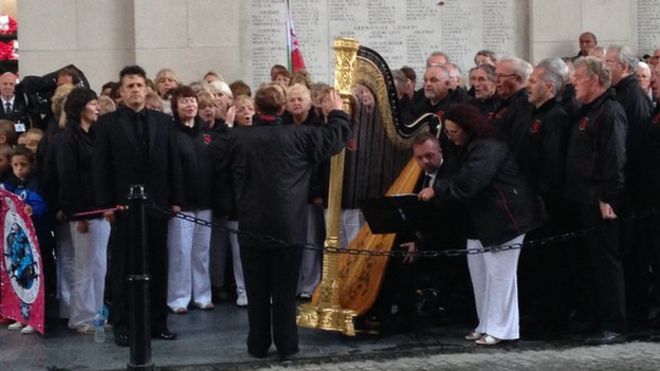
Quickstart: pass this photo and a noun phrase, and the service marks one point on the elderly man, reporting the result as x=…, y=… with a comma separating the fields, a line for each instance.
x=512, y=116
x=644, y=73
x=622, y=64
x=594, y=182
x=13, y=107
x=587, y=42
x=542, y=160
x=436, y=91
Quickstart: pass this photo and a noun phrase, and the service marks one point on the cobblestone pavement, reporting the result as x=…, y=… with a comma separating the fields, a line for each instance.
x=628, y=356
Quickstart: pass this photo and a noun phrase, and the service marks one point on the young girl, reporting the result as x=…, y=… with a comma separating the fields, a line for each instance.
x=23, y=182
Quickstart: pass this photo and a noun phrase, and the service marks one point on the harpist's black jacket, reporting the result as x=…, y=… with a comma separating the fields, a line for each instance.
x=499, y=202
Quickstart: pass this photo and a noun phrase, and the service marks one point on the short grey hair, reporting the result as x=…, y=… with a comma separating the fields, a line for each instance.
x=519, y=67
x=437, y=53
x=554, y=71
x=643, y=66
x=445, y=70
x=625, y=56
x=595, y=67
x=453, y=69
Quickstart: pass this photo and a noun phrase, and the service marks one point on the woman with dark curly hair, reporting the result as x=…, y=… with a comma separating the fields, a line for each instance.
x=501, y=209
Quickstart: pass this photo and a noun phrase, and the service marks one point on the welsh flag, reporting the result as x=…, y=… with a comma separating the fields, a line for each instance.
x=296, y=60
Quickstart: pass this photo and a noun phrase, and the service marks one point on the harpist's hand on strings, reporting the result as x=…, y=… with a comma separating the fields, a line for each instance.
x=426, y=194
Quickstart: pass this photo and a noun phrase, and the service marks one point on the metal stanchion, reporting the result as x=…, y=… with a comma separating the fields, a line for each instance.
x=139, y=321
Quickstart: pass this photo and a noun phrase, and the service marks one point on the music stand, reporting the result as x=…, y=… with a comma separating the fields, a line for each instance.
x=392, y=214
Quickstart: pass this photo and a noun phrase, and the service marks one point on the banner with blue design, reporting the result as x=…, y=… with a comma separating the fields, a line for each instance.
x=21, y=271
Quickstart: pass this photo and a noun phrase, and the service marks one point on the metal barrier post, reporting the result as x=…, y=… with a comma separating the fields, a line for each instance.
x=139, y=321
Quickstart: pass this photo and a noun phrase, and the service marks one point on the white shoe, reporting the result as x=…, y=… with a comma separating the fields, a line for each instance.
x=242, y=300
x=27, y=330
x=16, y=326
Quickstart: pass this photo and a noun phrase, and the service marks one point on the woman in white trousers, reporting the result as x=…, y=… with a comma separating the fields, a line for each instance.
x=188, y=243
x=501, y=208
x=84, y=262
x=495, y=286
x=188, y=272
x=90, y=245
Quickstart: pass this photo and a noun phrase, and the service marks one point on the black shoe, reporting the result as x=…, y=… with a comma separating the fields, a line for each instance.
x=121, y=338
x=258, y=354
x=606, y=337
x=285, y=356
x=165, y=334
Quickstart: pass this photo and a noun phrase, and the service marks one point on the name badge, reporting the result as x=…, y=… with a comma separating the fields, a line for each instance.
x=19, y=127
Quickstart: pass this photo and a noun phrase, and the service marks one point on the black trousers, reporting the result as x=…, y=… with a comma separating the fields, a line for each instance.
x=542, y=274
x=122, y=265
x=271, y=272
x=650, y=236
x=600, y=269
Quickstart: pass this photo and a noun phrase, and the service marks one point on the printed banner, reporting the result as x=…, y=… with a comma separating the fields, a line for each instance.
x=21, y=271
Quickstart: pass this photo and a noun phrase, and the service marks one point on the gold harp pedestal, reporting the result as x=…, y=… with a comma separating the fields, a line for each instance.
x=327, y=313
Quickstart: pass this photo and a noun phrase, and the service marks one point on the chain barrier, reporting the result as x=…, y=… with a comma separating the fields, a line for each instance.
x=270, y=240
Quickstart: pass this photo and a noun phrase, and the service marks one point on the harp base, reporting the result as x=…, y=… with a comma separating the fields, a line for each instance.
x=329, y=318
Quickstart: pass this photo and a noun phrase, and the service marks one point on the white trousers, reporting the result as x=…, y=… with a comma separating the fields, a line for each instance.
x=188, y=262
x=221, y=244
x=310, y=267
x=90, y=251
x=494, y=281
x=64, y=266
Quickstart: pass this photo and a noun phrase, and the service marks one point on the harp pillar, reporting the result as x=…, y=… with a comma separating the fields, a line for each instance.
x=327, y=313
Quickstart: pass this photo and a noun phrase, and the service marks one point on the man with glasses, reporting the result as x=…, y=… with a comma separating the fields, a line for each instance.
x=512, y=117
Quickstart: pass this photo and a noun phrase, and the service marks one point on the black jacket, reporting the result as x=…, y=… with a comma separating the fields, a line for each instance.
x=271, y=166
x=120, y=161
x=597, y=152
x=649, y=194
x=500, y=204
x=487, y=106
x=73, y=157
x=638, y=108
x=512, y=118
x=195, y=164
x=543, y=154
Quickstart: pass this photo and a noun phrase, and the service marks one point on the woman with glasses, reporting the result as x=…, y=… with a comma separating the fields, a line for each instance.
x=501, y=209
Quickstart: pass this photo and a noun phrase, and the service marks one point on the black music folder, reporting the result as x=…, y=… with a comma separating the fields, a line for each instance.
x=392, y=214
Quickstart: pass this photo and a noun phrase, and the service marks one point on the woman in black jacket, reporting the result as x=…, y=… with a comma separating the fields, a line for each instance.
x=188, y=243
x=89, y=237
x=501, y=209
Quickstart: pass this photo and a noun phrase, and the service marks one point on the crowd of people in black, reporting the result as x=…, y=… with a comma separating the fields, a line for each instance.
x=526, y=152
